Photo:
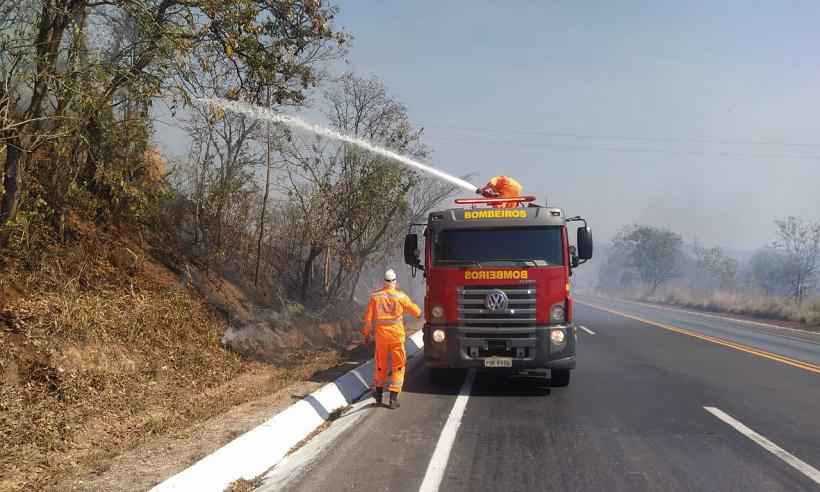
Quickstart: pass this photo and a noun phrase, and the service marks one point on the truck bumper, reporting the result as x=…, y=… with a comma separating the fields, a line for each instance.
x=526, y=348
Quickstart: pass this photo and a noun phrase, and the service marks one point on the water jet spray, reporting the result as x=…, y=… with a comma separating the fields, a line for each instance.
x=265, y=114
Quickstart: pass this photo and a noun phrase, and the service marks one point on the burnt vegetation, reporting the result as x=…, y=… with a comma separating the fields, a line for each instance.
x=125, y=274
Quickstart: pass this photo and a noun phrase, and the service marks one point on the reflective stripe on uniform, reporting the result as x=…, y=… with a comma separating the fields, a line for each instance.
x=388, y=321
x=386, y=295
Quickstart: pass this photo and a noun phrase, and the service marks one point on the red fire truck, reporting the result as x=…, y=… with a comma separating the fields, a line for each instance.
x=498, y=291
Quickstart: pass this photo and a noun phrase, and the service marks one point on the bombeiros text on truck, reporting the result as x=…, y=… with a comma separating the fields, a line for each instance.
x=498, y=291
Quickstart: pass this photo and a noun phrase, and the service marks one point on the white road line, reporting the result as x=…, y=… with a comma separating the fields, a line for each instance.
x=586, y=329
x=438, y=463
x=769, y=446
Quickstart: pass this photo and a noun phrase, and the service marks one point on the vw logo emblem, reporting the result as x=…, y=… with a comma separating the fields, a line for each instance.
x=496, y=300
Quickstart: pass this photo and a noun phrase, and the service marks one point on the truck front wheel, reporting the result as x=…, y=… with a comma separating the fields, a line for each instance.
x=559, y=377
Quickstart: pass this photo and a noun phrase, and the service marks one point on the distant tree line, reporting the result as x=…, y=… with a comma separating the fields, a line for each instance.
x=646, y=257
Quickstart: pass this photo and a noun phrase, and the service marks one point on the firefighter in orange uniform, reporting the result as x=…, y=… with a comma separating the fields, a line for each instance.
x=502, y=187
x=386, y=311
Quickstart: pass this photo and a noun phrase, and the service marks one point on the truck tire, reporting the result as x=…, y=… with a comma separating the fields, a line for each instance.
x=559, y=377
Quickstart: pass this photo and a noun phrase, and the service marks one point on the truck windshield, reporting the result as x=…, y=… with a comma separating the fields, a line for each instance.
x=522, y=246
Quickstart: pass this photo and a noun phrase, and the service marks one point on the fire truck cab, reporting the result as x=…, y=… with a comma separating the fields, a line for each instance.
x=498, y=293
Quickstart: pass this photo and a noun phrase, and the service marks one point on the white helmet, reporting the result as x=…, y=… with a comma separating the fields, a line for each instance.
x=390, y=276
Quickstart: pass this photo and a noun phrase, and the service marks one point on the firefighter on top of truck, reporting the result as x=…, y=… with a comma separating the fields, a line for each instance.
x=386, y=311
x=502, y=187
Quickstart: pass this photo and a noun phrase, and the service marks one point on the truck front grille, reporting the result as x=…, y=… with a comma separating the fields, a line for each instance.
x=520, y=310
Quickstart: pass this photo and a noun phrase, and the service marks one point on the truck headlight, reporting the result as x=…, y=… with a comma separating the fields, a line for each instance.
x=557, y=337
x=437, y=312
x=439, y=336
x=557, y=314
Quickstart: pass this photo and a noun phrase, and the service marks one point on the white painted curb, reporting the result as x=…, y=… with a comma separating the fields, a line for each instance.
x=259, y=449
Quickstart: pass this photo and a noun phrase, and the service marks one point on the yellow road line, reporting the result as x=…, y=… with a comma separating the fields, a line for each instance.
x=807, y=366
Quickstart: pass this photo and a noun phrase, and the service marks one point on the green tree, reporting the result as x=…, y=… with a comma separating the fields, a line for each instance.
x=81, y=70
x=653, y=252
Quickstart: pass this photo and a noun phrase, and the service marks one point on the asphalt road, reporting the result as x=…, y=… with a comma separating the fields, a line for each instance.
x=793, y=343
x=642, y=412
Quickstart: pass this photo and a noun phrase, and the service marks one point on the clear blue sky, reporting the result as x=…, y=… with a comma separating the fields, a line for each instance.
x=703, y=117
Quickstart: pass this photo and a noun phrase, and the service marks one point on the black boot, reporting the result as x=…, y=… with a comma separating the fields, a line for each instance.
x=394, y=400
x=377, y=394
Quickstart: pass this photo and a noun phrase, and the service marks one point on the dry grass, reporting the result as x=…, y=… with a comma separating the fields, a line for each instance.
x=100, y=349
x=243, y=485
x=763, y=307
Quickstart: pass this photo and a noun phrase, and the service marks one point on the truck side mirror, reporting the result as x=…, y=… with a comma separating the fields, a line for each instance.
x=573, y=256
x=584, y=243
x=411, y=251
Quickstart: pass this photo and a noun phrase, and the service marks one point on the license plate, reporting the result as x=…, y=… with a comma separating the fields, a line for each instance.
x=498, y=362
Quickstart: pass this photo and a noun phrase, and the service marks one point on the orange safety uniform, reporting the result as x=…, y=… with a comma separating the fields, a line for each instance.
x=503, y=187
x=386, y=311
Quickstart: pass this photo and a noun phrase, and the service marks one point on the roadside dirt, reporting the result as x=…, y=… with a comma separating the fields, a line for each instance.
x=114, y=364
x=744, y=317
x=149, y=464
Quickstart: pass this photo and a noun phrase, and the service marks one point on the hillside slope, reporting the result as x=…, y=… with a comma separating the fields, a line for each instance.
x=102, y=347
